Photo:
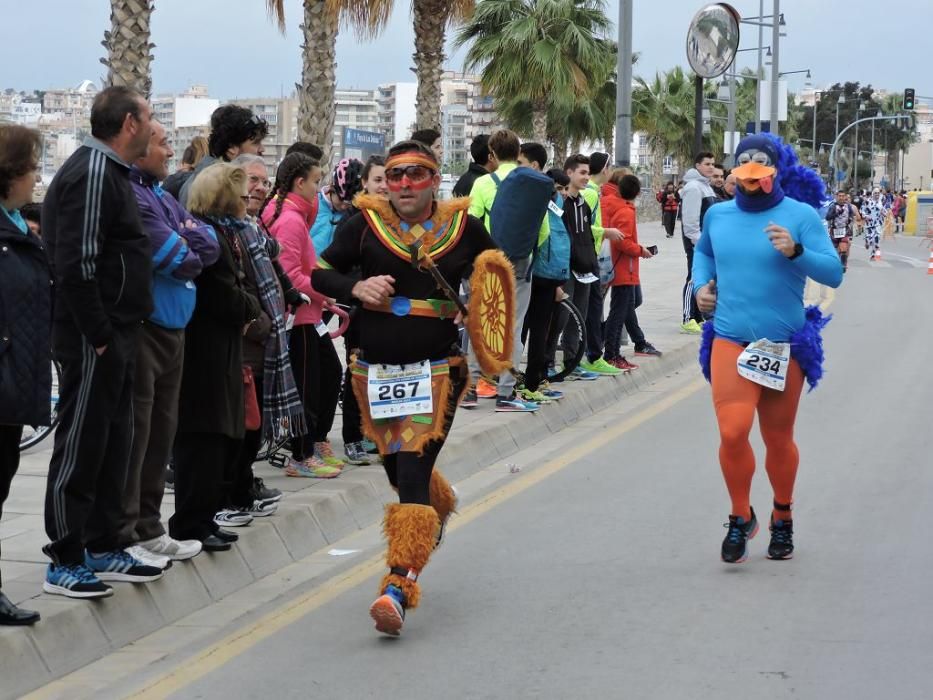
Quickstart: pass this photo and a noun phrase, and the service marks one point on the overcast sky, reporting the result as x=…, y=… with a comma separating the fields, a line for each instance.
x=230, y=45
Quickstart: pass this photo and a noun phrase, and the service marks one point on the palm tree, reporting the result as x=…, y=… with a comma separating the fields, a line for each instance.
x=431, y=19
x=663, y=111
x=316, y=91
x=542, y=52
x=128, y=48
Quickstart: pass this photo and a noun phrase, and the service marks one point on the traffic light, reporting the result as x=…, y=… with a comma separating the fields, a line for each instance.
x=909, y=95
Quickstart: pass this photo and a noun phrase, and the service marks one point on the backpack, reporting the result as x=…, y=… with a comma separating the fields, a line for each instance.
x=520, y=206
x=552, y=259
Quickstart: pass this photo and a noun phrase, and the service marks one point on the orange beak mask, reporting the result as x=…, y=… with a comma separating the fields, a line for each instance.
x=753, y=176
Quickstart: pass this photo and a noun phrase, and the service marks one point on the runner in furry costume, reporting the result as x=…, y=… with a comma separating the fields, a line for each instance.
x=751, y=264
x=405, y=321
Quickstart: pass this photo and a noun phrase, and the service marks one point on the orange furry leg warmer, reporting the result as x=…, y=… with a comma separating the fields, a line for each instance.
x=411, y=531
x=443, y=498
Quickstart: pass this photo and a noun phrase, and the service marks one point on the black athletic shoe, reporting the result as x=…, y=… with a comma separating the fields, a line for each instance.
x=734, y=550
x=782, y=539
x=469, y=399
x=261, y=492
x=169, y=479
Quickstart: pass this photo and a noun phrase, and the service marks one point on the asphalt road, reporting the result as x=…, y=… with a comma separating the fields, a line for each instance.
x=603, y=580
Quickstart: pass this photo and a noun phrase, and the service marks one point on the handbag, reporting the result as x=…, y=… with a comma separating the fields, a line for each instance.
x=252, y=414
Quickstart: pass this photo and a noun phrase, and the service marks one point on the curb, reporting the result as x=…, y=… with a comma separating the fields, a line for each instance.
x=306, y=521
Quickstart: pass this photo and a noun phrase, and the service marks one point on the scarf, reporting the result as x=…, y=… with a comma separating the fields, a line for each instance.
x=282, y=410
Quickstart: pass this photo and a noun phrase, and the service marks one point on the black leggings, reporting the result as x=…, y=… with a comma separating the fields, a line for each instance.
x=541, y=313
x=352, y=421
x=317, y=375
x=410, y=473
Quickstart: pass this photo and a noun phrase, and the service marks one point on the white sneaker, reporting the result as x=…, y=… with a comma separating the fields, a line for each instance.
x=144, y=556
x=262, y=509
x=233, y=518
x=177, y=550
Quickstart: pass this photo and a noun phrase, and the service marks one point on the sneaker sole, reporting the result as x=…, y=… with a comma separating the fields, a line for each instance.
x=182, y=557
x=385, y=615
x=127, y=578
x=516, y=410
x=789, y=556
x=271, y=499
x=228, y=523
x=264, y=514
x=67, y=592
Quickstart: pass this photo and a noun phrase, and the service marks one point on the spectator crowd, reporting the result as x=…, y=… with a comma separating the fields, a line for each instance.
x=180, y=310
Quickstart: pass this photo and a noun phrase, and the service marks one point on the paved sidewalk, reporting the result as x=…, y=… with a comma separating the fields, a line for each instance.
x=312, y=514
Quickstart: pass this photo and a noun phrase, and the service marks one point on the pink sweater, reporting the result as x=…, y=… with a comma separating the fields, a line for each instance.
x=291, y=230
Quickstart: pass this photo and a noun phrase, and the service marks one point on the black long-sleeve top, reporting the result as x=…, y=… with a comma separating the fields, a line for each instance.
x=386, y=338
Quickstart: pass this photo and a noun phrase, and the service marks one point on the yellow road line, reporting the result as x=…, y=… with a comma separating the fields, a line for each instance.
x=225, y=650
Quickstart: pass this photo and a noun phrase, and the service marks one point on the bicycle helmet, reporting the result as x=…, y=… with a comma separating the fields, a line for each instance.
x=347, y=180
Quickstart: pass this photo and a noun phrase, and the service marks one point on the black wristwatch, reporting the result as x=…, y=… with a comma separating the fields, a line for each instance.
x=798, y=251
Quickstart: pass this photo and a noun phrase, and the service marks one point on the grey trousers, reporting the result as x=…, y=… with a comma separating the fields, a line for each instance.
x=159, y=366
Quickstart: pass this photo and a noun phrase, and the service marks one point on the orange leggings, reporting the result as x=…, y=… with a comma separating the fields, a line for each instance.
x=736, y=399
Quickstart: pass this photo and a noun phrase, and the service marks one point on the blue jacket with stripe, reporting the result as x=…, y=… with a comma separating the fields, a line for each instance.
x=99, y=253
x=179, y=252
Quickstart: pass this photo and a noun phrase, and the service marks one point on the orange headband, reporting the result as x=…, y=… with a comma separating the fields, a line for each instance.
x=411, y=158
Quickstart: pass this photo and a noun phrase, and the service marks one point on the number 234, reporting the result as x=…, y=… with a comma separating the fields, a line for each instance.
x=764, y=364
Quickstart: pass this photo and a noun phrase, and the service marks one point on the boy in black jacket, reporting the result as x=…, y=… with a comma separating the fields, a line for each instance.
x=103, y=275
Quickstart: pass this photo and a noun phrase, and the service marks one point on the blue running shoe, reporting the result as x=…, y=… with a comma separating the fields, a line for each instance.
x=514, y=404
x=581, y=375
x=388, y=611
x=549, y=393
x=74, y=581
x=121, y=566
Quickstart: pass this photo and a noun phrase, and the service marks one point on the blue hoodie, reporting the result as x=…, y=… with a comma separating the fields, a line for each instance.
x=325, y=223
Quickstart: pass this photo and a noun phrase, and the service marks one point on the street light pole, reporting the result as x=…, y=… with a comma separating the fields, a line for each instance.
x=816, y=103
x=759, y=87
x=624, y=86
x=775, y=67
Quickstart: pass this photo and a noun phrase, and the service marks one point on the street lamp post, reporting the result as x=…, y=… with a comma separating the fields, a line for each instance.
x=775, y=68
x=841, y=101
x=761, y=40
x=816, y=102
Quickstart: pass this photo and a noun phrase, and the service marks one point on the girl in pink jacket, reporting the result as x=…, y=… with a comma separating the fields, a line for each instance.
x=288, y=216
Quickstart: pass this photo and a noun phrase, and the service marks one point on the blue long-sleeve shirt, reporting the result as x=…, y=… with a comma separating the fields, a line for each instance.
x=178, y=253
x=759, y=290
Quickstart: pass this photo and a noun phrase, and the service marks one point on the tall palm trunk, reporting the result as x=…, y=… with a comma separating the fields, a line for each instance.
x=316, y=93
x=560, y=152
x=539, y=122
x=128, y=47
x=430, y=22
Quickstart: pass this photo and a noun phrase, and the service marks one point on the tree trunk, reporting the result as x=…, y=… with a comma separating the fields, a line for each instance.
x=574, y=147
x=560, y=153
x=430, y=23
x=128, y=48
x=316, y=108
x=539, y=123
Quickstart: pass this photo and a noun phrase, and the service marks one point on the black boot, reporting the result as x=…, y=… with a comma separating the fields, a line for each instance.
x=12, y=615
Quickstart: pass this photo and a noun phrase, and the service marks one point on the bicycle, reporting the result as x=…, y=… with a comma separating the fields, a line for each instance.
x=571, y=318
x=33, y=435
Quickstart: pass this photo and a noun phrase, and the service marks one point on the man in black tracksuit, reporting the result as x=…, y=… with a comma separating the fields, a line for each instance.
x=103, y=276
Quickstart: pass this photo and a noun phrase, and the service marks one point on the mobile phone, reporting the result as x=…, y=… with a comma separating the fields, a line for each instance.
x=653, y=249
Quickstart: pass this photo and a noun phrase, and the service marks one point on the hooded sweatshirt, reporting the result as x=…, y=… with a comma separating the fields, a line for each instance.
x=696, y=197
x=626, y=254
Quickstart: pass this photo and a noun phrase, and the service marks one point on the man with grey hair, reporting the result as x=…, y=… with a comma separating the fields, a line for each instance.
x=257, y=181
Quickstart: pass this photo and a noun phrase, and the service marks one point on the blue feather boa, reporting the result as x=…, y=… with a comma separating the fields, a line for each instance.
x=806, y=346
x=797, y=180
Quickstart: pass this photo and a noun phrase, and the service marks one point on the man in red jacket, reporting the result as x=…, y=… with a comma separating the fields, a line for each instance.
x=618, y=202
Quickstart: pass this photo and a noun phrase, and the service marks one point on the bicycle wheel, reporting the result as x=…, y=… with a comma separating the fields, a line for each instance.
x=575, y=325
x=34, y=435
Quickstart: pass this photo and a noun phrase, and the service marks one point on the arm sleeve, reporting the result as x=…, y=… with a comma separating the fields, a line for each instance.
x=332, y=275
x=219, y=295
x=819, y=260
x=478, y=199
x=627, y=246
x=704, y=262
x=295, y=242
x=78, y=242
x=202, y=239
x=692, y=206
x=598, y=228
x=171, y=255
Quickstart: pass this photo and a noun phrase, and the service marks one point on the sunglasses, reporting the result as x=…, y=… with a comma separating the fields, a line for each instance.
x=414, y=173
